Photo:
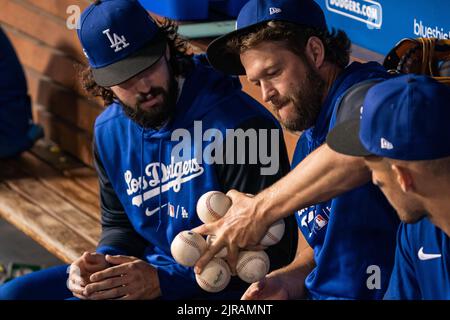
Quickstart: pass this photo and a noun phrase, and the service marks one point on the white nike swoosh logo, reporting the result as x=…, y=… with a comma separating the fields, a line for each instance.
x=149, y=213
x=427, y=256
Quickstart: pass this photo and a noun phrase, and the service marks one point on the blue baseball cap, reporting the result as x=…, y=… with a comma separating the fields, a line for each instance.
x=120, y=40
x=256, y=12
x=404, y=118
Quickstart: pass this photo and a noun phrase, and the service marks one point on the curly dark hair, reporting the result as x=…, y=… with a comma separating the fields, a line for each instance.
x=337, y=44
x=180, y=62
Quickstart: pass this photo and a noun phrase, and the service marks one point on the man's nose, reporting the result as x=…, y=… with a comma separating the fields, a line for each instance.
x=268, y=92
x=144, y=85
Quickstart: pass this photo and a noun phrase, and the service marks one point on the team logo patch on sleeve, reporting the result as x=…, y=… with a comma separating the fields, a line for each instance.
x=320, y=222
x=311, y=220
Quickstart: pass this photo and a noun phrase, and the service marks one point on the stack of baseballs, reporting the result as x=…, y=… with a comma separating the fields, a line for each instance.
x=188, y=247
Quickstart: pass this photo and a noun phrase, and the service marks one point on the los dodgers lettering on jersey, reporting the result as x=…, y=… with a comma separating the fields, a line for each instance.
x=158, y=189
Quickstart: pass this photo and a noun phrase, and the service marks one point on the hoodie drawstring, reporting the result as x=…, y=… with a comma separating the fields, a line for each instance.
x=142, y=167
x=159, y=173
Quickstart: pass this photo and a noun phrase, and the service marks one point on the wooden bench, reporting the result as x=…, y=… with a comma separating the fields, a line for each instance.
x=52, y=198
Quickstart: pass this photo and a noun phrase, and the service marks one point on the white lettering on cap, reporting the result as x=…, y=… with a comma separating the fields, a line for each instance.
x=117, y=43
x=274, y=10
x=385, y=144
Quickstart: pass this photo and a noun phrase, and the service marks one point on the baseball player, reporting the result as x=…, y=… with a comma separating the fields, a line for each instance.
x=17, y=131
x=404, y=137
x=148, y=191
x=346, y=226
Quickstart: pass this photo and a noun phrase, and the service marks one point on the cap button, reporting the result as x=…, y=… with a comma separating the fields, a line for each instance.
x=97, y=2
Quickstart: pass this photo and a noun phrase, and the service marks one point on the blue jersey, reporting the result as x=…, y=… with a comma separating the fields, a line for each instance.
x=353, y=234
x=422, y=263
x=158, y=190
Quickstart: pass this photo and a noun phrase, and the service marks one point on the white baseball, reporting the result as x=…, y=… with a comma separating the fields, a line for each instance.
x=215, y=276
x=252, y=266
x=187, y=248
x=212, y=206
x=274, y=234
x=222, y=253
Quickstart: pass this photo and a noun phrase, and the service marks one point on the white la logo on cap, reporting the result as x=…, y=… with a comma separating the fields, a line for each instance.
x=117, y=41
x=385, y=144
x=274, y=10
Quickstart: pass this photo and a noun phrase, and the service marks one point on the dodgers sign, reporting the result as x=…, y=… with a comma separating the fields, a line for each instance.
x=379, y=24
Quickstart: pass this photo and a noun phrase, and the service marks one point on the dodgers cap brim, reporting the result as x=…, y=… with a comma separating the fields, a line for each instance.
x=223, y=59
x=134, y=64
x=344, y=137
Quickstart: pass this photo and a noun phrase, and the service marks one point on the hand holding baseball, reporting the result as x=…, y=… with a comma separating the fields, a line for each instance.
x=240, y=228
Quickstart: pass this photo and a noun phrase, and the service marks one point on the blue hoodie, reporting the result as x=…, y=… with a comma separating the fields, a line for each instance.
x=353, y=235
x=159, y=193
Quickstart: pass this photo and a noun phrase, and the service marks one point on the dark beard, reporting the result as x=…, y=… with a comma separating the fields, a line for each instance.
x=307, y=102
x=159, y=115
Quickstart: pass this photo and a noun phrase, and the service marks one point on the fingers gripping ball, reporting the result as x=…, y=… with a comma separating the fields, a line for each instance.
x=210, y=240
x=252, y=266
x=215, y=276
x=187, y=248
x=212, y=206
x=274, y=234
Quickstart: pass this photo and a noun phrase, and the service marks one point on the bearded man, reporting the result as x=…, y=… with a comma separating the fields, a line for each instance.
x=152, y=168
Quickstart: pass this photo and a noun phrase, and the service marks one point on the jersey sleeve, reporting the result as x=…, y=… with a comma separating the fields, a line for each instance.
x=118, y=235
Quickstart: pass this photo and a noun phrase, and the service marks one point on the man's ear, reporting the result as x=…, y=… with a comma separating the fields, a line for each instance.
x=315, y=51
x=404, y=178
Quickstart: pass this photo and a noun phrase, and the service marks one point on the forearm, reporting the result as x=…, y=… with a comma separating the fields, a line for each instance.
x=321, y=176
x=123, y=241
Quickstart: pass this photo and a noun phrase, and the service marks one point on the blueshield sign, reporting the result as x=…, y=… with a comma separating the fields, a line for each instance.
x=379, y=25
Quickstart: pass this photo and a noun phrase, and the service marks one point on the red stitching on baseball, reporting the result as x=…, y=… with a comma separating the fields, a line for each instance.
x=247, y=260
x=225, y=266
x=211, y=211
x=272, y=237
x=203, y=281
x=191, y=243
